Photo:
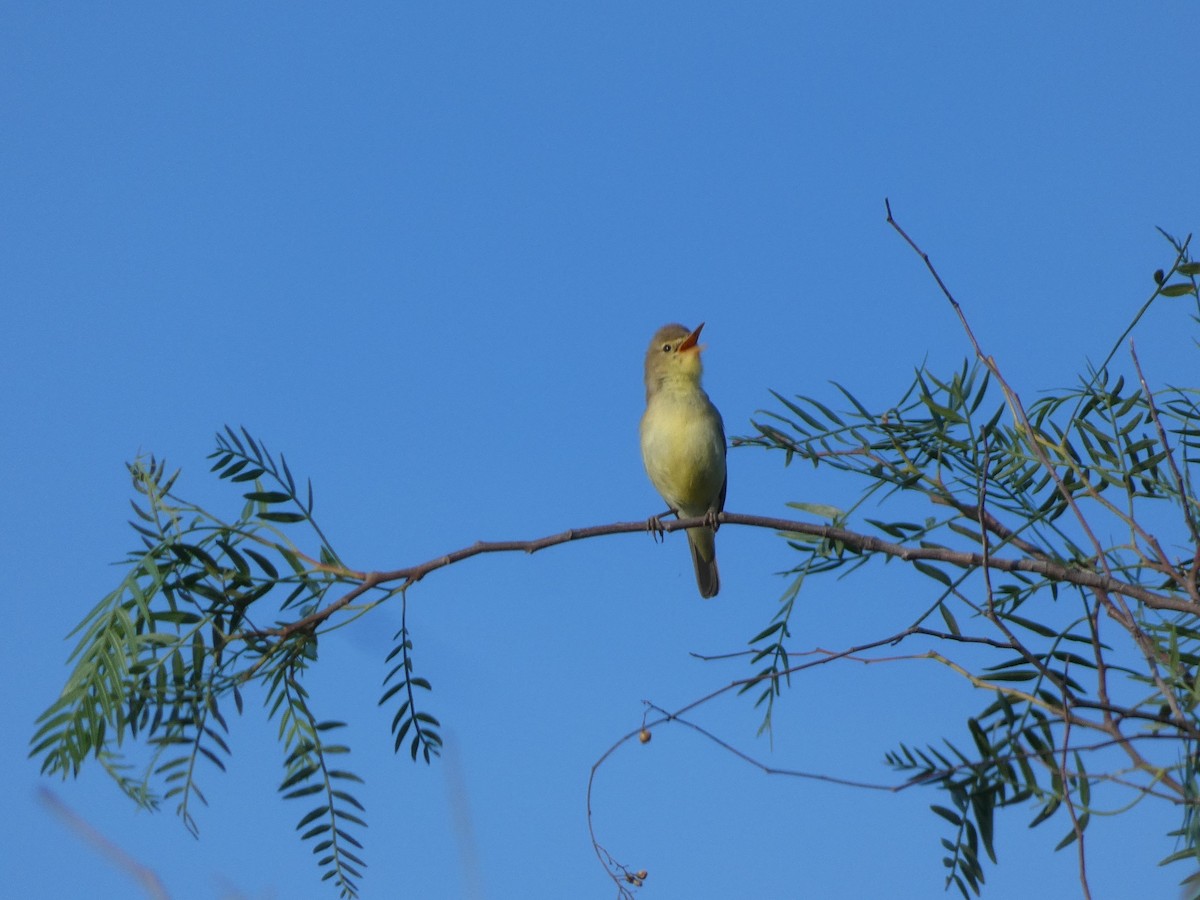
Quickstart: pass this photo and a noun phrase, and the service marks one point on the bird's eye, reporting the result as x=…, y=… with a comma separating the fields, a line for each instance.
x=666, y=348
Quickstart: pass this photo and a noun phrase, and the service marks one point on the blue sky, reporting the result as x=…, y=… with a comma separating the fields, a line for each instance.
x=421, y=249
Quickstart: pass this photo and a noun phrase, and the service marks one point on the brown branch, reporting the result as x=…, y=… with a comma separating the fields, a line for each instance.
x=863, y=543
x=990, y=523
x=1055, y=571
x=1093, y=619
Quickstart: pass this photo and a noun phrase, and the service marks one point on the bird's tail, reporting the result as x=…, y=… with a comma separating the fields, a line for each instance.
x=704, y=559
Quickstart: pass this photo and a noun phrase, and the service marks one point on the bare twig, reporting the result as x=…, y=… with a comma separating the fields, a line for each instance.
x=1018, y=410
x=990, y=523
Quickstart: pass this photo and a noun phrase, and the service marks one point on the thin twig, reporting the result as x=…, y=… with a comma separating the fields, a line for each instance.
x=1066, y=783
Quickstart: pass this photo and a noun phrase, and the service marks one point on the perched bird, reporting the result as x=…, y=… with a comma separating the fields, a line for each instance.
x=683, y=443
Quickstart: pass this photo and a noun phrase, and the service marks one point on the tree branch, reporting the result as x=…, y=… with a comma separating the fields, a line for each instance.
x=863, y=543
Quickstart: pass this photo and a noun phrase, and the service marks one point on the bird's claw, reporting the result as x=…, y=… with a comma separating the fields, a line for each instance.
x=710, y=519
x=655, y=526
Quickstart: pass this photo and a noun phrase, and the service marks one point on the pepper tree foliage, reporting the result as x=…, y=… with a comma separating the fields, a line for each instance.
x=1062, y=541
x=164, y=655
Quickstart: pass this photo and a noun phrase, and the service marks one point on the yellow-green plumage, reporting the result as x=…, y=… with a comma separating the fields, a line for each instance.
x=683, y=442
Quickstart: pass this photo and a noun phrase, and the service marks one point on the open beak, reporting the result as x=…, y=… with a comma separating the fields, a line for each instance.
x=690, y=341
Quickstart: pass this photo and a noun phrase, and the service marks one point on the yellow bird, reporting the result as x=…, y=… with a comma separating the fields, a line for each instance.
x=683, y=443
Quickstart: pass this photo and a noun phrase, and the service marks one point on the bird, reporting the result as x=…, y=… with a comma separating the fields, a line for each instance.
x=683, y=444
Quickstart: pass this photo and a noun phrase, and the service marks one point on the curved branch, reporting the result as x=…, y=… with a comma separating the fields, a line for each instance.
x=863, y=543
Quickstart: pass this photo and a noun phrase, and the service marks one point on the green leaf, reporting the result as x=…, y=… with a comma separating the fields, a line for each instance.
x=1012, y=676
x=934, y=573
x=1030, y=625
x=821, y=510
x=1068, y=840
x=949, y=619
x=949, y=815
x=223, y=459
x=767, y=632
x=250, y=475
x=235, y=468
x=233, y=437
x=263, y=562
x=349, y=817
x=268, y=496
x=306, y=791
x=1176, y=290
x=285, y=517
x=312, y=815
x=300, y=775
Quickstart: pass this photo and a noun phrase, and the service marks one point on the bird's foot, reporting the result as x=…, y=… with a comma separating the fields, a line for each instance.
x=654, y=525
x=710, y=519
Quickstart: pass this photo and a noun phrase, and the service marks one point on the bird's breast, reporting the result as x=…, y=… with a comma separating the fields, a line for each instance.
x=683, y=449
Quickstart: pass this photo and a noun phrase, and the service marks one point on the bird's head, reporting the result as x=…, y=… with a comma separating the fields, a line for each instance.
x=673, y=354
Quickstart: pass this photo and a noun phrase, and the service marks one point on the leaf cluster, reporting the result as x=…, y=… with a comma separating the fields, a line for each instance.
x=208, y=609
x=1062, y=545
